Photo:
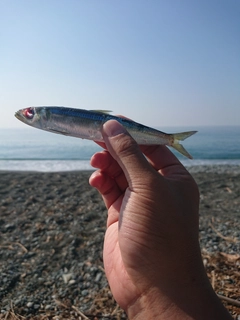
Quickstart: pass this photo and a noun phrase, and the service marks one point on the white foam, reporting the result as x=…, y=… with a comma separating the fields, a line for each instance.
x=78, y=165
x=44, y=165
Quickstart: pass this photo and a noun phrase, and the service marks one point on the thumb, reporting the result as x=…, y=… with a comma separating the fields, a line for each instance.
x=125, y=150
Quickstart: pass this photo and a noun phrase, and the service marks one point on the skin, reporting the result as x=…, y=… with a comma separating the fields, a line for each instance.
x=152, y=256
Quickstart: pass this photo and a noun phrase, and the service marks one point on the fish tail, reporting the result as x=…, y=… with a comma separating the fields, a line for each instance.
x=180, y=137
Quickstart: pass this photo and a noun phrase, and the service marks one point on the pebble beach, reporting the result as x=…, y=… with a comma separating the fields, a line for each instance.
x=52, y=227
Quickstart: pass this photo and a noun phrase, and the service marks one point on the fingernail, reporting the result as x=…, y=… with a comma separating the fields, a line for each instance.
x=113, y=128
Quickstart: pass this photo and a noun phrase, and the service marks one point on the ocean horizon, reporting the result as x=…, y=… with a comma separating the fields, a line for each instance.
x=29, y=149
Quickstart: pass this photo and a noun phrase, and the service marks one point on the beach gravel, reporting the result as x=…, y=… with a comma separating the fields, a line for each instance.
x=52, y=229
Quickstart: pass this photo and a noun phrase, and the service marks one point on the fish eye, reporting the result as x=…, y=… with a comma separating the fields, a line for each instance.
x=29, y=113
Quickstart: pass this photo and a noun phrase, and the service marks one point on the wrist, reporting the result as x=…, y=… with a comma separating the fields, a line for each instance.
x=149, y=305
x=197, y=303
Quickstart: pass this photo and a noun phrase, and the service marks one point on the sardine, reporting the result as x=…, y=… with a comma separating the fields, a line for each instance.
x=87, y=124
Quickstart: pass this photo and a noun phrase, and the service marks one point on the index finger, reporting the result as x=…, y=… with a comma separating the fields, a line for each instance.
x=163, y=160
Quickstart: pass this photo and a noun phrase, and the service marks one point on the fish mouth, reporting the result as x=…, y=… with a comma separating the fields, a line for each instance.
x=19, y=115
x=25, y=115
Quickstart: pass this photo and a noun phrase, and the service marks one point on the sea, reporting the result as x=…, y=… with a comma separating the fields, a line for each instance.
x=30, y=149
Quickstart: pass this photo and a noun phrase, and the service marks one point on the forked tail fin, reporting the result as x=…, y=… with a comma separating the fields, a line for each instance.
x=180, y=137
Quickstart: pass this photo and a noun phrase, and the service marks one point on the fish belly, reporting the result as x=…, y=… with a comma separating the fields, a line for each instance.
x=149, y=138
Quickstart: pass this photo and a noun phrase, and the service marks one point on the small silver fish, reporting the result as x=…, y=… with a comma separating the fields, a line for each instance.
x=87, y=124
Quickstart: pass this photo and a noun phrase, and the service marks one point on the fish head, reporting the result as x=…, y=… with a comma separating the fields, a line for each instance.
x=30, y=116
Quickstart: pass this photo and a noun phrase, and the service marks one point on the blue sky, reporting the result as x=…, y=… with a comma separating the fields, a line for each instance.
x=161, y=63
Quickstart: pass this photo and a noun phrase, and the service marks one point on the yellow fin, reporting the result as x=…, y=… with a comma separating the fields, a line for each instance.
x=180, y=137
x=177, y=146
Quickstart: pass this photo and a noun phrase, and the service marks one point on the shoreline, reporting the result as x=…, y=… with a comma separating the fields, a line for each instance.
x=84, y=165
x=205, y=168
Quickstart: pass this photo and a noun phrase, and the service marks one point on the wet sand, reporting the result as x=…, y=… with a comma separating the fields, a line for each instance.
x=51, y=235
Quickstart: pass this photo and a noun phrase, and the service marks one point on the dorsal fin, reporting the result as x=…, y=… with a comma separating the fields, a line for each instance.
x=101, y=111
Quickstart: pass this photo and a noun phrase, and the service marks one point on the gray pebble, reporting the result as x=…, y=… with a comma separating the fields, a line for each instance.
x=66, y=277
x=10, y=227
x=29, y=304
x=84, y=292
x=72, y=281
x=98, y=276
x=17, y=302
x=48, y=307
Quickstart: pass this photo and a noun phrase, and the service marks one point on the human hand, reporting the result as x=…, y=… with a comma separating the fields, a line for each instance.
x=152, y=256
